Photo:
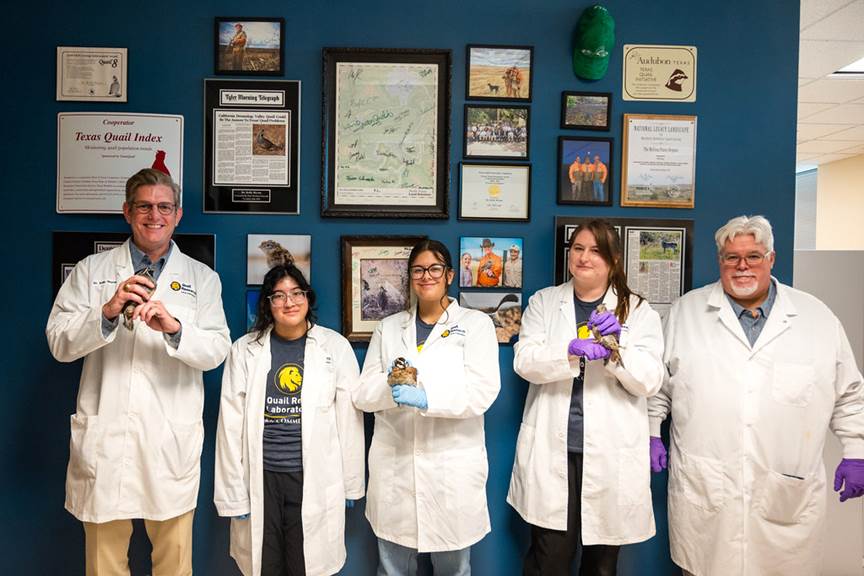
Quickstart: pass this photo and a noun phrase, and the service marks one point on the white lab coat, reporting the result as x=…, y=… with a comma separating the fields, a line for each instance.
x=137, y=431
x=333, y=447
x=616, y=483
x=746, y=478
x=428, y=469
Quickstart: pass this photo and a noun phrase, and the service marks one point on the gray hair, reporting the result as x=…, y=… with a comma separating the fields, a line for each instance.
x=151, y=177
x=758, y=226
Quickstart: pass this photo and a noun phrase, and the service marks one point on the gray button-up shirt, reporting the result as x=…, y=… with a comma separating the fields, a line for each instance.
x=752, y=325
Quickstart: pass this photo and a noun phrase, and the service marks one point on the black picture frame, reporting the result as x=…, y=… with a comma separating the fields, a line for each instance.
x=414, y=182
x=239, y=105
x=583, y=192
x=259, y=57
x=486, y=139
x=498, y=73
x=591, y=110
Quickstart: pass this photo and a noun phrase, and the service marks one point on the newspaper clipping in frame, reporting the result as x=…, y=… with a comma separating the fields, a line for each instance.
x=91, y=74
x=252, y=133
x=98, y=152
x=655, y=264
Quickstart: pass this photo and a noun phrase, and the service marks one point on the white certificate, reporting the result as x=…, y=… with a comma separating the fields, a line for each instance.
x=659, y=161
x=495, y=192
x=91, y=74
x=98, y=152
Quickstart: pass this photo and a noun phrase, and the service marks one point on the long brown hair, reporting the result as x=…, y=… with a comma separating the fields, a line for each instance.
x=609, y=246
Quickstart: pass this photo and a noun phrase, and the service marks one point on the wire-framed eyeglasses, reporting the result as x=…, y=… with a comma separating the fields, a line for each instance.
x=280, y=298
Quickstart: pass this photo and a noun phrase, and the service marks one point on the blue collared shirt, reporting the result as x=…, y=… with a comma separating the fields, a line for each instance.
x=140, y=262
x=752, y=325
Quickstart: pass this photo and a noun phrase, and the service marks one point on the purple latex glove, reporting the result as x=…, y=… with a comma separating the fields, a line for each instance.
x=850, y=471
x=658, y=455
x=606, y=322
x=588, y=348
x=409, y=396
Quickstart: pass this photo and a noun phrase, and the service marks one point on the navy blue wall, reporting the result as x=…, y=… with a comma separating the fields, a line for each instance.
x=746, y=136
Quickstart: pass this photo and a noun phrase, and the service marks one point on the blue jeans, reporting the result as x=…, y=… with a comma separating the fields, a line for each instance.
x=598, y=190
x=396, y=560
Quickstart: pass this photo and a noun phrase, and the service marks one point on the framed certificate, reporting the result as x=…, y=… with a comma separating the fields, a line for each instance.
x=91, y=74
x=659, y=161
x=495, y=192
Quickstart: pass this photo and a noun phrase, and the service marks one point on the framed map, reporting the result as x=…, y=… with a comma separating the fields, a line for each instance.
x=386, y=133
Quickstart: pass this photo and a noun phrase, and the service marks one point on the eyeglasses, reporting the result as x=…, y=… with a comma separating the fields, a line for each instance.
x=435, y=271
x=164, y=208
x=752, y=259
x=280, y=298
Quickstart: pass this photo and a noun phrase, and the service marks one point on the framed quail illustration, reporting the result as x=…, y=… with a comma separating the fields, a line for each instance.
x=252, y=146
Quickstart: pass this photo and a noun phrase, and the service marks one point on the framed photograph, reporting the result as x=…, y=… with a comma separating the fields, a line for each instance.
x=495, y=192
x=584, y=170
x=659, y=161
x=490, y=262
x=386, y=133
x=264, y=251
x=586, y=110
x=250, y=46
x=658, y=256
x=374, y=281
x=499, y=72
x=496, y=132
x=68, y=248
x=252, y=297
x=252, y=146
x=91, y=74
x=504, y=308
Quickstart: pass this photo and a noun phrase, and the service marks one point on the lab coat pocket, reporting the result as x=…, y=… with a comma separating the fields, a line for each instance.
x=181, y=448
x=699, y=480
x=793, y=383
x=83, y=444
x=784, y=499
x=634, y=481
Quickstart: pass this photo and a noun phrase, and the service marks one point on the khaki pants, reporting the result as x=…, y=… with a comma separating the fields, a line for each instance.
x=107, y=546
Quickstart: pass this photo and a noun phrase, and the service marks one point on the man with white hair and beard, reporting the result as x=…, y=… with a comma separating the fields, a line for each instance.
x=756, y=373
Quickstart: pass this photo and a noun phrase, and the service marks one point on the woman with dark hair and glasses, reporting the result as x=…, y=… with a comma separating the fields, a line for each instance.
x=427, y=463
x=290, y=444
x=582, y=471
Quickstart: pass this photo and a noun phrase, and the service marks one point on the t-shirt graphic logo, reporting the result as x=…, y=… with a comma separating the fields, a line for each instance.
x=289, y=379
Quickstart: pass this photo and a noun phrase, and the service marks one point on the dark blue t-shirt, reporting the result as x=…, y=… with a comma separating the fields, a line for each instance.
x=283, y=449
x=423, y=332
x=576, y=424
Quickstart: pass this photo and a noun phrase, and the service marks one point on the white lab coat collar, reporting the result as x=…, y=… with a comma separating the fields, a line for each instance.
x=123, y=262
x=778, y=321
x=409, y=327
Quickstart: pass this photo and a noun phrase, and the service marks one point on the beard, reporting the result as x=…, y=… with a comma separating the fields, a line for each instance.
x=740, y=291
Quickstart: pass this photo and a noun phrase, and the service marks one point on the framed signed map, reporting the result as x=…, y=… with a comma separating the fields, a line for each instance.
x=386, y=133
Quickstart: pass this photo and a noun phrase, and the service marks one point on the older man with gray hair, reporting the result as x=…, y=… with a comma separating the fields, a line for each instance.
x=756, y=373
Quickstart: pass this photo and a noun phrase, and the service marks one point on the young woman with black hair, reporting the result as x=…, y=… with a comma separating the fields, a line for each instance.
x=427, y=463
x=582, y=472
x=289, y=444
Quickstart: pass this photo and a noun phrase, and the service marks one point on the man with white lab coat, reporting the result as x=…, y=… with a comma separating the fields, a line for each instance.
x=757, y=371
x=137, y=432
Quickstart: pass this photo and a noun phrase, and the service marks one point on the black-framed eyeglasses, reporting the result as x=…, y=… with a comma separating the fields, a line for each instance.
x=280, y=298
x=435, y=271
x=164, y=208
x=752, y=259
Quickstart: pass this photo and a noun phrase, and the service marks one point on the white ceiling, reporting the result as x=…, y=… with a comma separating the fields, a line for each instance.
x=830, y=110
